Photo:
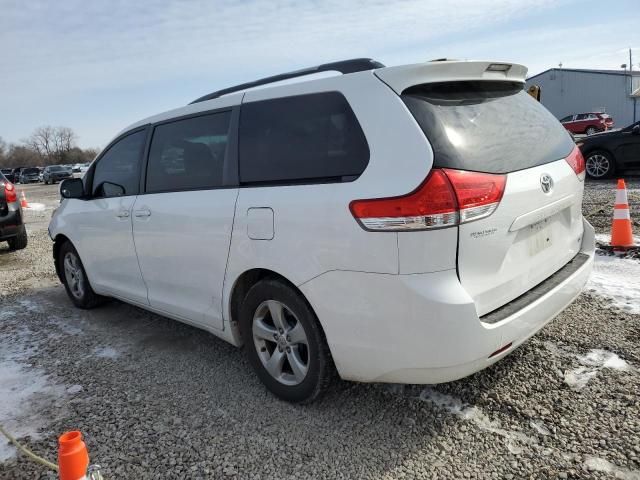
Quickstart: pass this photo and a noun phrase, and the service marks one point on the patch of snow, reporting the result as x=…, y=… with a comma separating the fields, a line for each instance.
x=36, y=207
x=601, y=465
x=73, y=389
x=539, y=427
x=106, y=352
x=65, y=326
x=515, y=441
x=593, y=362
x=23, y=389
x=579, y=377
x=606, y=238
x=618, y=280
x=603, y=359
x=7, y=313
x=30, y=306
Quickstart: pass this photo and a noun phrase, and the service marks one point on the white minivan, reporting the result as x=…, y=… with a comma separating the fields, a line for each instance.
x=408, y=224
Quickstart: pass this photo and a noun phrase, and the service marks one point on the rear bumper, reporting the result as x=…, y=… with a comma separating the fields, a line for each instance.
x=11, y=221
x=424, y=328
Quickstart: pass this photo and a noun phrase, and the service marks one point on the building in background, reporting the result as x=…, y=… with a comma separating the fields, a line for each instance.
x=566, y=91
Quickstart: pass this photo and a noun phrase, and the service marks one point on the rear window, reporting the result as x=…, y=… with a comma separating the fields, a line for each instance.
x=301, y=139
x=56, y=168
x=30, y=170
x=484, y=126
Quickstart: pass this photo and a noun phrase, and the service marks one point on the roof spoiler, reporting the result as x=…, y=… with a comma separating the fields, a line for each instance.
x=405, y=76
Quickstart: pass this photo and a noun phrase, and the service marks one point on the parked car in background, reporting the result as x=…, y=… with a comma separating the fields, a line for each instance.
x=610, y=152
x=30, y=175
x=55, y=173
x=12, y=229
x=84, y=167
x=280, y=218
x=587, y=123
x=16, y=174
x=8, y=174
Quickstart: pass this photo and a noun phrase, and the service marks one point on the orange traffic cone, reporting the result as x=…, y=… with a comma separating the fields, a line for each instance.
x=621, y=234
x=73, y=459
x=23, y=200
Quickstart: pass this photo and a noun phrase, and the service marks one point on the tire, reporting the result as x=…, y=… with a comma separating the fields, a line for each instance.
x=306, y=348
x=19, y=242
x=75, y=278
x=599, y=164
x=591, y=130
x=46, y=182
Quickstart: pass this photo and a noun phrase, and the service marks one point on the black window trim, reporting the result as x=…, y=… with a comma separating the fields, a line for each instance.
x=90, y=173
x=304, y=181
x=230, y=168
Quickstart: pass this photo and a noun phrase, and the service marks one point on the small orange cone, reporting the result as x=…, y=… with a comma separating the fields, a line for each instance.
x=621, y=233
x=73, y=459
x=23, y=200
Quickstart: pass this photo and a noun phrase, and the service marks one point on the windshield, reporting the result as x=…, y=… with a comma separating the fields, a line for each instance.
x=56, y=168
x=27, y=171
x=485, y=126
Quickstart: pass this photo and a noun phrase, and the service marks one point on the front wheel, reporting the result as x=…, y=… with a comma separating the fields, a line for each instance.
x=284, y=342
x=599, y=164
x=75, y=278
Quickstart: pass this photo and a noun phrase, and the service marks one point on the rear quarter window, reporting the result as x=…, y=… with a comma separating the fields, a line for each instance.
x=485, y=126
x=301, y=139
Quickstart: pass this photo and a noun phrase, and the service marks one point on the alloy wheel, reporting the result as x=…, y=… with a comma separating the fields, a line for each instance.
x=598, y=165
x=74, y=275
x=281, y=342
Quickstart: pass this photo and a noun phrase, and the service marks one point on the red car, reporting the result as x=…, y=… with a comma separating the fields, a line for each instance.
x=588, y=123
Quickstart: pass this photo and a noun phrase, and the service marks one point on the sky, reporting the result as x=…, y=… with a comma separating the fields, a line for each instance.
x=98, y=66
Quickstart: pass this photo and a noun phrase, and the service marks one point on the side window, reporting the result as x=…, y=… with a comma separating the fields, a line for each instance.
x=188, y=154
x=306, y=138
x=568, y=118
x=119, y=167
x=582, y=116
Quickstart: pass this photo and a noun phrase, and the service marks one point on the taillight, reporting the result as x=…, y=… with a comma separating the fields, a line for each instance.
x=576, y=162
x=478, y=194
x=10, y=194
x=446, y=198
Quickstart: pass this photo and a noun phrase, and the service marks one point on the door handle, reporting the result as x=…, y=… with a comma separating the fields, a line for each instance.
x=142, y=213
x=123, y=214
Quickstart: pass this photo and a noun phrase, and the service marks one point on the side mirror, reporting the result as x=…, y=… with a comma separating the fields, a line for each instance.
x=72, y=188
x=636, y=130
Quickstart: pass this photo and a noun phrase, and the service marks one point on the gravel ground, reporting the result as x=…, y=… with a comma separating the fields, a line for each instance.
x=159, y=399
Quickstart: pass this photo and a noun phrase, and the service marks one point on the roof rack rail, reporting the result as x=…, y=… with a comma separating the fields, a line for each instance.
x=345, y=66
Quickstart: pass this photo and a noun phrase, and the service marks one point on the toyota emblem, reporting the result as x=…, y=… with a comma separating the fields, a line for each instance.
x=546, y=183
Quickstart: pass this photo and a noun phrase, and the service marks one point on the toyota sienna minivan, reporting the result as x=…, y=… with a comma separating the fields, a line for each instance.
x=409, y=224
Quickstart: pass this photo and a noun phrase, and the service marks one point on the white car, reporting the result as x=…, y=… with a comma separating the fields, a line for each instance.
x=409, y=224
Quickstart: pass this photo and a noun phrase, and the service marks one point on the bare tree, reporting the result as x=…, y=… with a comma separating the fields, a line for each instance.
x=52, y=144
x=3, y=151
x=64, y=140
x=42, y=141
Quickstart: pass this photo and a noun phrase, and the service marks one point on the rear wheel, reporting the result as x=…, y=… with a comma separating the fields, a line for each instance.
x=591, y=130
x=284, y=342
x=599, y=164
x=19, y=241
x=75, y=278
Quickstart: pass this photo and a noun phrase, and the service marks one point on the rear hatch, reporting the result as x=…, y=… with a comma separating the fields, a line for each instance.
x=492, y=126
